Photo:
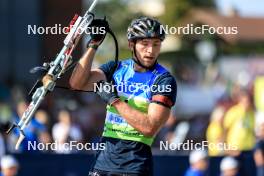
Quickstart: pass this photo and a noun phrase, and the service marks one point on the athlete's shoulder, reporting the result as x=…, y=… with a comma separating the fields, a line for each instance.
x=163, y=73
x=108, y=69
x=126, y=62
x=165, y=85
x=159, y=69
x=107, y=66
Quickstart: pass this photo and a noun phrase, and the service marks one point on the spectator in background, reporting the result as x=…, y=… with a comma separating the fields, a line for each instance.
x=198, y=161
x=44, y=136
x=229, y=167
x=42, y=117
x=31, y=132
x=239, y=125
x=5, y=114
x=215, y=131
x=2, y=145
x=64, y=131
x=9, y=166
x=5, y=119
x=259, y=147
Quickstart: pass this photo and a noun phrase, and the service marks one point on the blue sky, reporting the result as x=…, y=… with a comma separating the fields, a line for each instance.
x=249, y=8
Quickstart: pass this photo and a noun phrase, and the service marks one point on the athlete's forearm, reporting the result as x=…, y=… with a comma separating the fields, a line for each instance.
x=81, y=73
x=138, y=120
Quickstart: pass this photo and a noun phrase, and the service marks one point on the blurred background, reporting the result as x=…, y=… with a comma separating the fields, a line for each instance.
x=220, y=82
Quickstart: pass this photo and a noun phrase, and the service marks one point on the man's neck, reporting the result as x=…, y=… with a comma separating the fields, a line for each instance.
x=138, y=68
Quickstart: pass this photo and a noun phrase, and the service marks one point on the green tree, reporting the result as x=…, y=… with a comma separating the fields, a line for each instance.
x=176, y=9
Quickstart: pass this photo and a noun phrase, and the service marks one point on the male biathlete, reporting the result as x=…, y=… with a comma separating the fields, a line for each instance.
x=135, y=115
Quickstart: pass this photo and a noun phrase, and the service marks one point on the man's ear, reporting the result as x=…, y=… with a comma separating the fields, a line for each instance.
x=131, y=45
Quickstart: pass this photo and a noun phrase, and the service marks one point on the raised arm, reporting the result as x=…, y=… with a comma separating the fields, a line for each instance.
x=83, y=76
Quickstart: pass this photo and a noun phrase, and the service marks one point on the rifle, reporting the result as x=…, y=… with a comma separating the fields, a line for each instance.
x=55, y=69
